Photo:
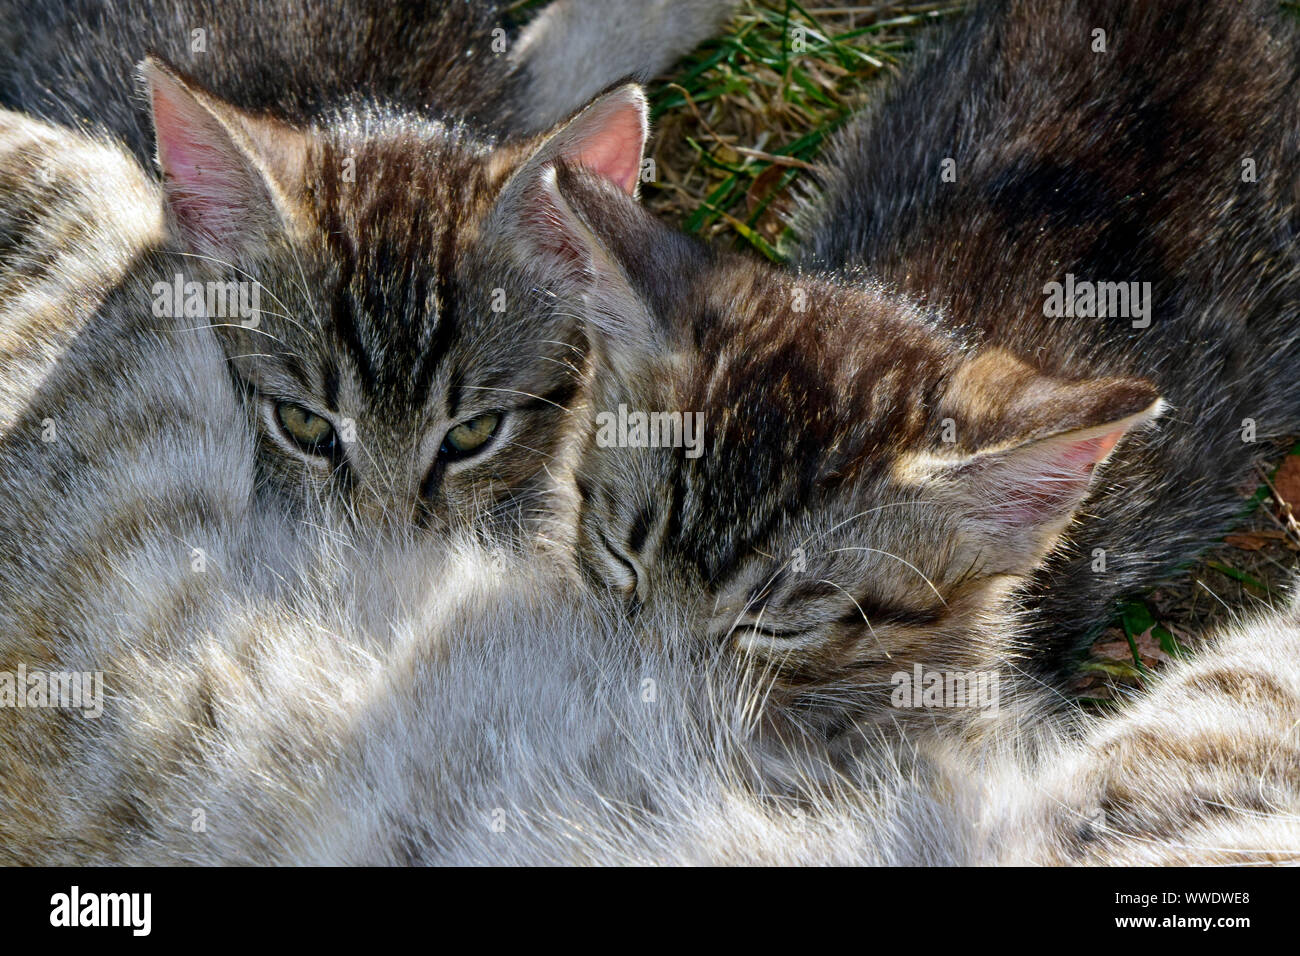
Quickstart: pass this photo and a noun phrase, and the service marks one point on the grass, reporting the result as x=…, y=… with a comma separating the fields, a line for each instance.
x=748, y=114
x=745, y=117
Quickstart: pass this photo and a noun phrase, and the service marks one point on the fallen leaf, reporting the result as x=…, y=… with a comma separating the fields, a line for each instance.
x=763, y=184
x=1254, y=540
x=1287, y=481
x=1149, y=649
x=1116, y=650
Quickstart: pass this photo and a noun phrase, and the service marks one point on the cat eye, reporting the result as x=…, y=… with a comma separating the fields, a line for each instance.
x=311, y=432
x=470, y=437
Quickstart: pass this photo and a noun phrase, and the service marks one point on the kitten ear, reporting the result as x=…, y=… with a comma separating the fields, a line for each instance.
x=618, y=320
x=595, y=157
x=222, y=169
x=1038, y=441
x=608, y=137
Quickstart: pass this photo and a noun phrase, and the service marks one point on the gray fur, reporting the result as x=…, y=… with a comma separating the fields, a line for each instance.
x=575, y=48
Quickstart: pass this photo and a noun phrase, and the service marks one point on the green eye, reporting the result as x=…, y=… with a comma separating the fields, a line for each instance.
x=309, y=431
x=469, y=437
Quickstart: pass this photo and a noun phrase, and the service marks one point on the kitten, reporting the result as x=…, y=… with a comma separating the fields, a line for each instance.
x=867, y=492
x=415, y=704
x=1093, y=142
x=874, y=475
x=400, y=371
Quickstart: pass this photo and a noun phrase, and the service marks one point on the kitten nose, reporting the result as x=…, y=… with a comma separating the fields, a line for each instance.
x=377, y=508
x=392, y=505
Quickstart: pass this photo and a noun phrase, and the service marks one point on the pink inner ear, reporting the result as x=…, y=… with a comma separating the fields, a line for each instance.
x=1087, y=452
x=614, y=149
x=1044, y=483
x=210, y=187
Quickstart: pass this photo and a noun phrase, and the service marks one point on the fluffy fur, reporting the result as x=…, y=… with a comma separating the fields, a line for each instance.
x=575, y=48
x=286, y=690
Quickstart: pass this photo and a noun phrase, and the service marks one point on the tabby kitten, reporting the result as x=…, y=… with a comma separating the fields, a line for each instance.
x=398, y=369
x=1080, y=142
x=868, y=490
x=402, y=367
x=875, y=476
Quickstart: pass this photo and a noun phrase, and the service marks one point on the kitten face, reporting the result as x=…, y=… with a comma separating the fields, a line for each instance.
x=444, y=380
x=867, y=491
x=399, y=368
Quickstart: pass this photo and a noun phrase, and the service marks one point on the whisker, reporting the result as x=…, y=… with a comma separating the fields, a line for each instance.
x=890, y=554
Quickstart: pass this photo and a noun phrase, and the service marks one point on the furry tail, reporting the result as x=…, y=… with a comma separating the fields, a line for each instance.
x=576, y=48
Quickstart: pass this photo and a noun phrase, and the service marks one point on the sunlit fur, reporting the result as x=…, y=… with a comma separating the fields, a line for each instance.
x=1203, y=768
x=387, y=305
x=303, y=694
x=286, y=691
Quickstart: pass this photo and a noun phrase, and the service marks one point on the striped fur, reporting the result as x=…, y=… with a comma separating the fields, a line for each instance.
x=1203, y=769
x=306, y=694
x=297, y=697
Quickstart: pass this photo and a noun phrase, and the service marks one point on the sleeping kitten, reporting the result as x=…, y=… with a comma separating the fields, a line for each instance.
x=417, y=704
x=1044, y=148
x=816, y=472
x=398, y=368
x=873, y=476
